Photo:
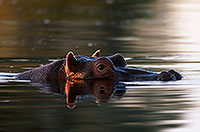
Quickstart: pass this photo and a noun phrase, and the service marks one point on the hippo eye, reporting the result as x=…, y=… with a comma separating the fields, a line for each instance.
x=101, y=67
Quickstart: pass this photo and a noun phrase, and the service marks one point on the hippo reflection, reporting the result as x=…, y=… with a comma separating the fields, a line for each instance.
x=93, y=68
x=100, y=91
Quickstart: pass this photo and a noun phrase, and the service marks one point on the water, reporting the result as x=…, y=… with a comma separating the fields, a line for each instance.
x=155, y=35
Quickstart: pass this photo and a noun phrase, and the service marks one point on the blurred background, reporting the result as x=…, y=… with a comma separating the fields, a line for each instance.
x=50, y=29
x=152, y=34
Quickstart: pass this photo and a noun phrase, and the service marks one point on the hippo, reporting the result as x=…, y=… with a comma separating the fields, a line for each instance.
x=95, y=67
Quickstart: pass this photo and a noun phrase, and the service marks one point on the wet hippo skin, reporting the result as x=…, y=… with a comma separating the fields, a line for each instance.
x=92, y=68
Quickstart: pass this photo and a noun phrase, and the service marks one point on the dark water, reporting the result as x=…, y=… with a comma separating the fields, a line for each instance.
x=155, y=35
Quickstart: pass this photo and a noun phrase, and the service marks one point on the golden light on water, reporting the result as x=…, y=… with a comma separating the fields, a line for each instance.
x=185, y=27
x=185, y=24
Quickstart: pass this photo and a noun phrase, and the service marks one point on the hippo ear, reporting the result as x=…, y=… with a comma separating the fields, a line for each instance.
x=71, y=62
x=97, y=54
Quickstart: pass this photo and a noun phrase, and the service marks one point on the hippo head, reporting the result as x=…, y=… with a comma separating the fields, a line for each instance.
x=95, y=67
x=112, y=68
